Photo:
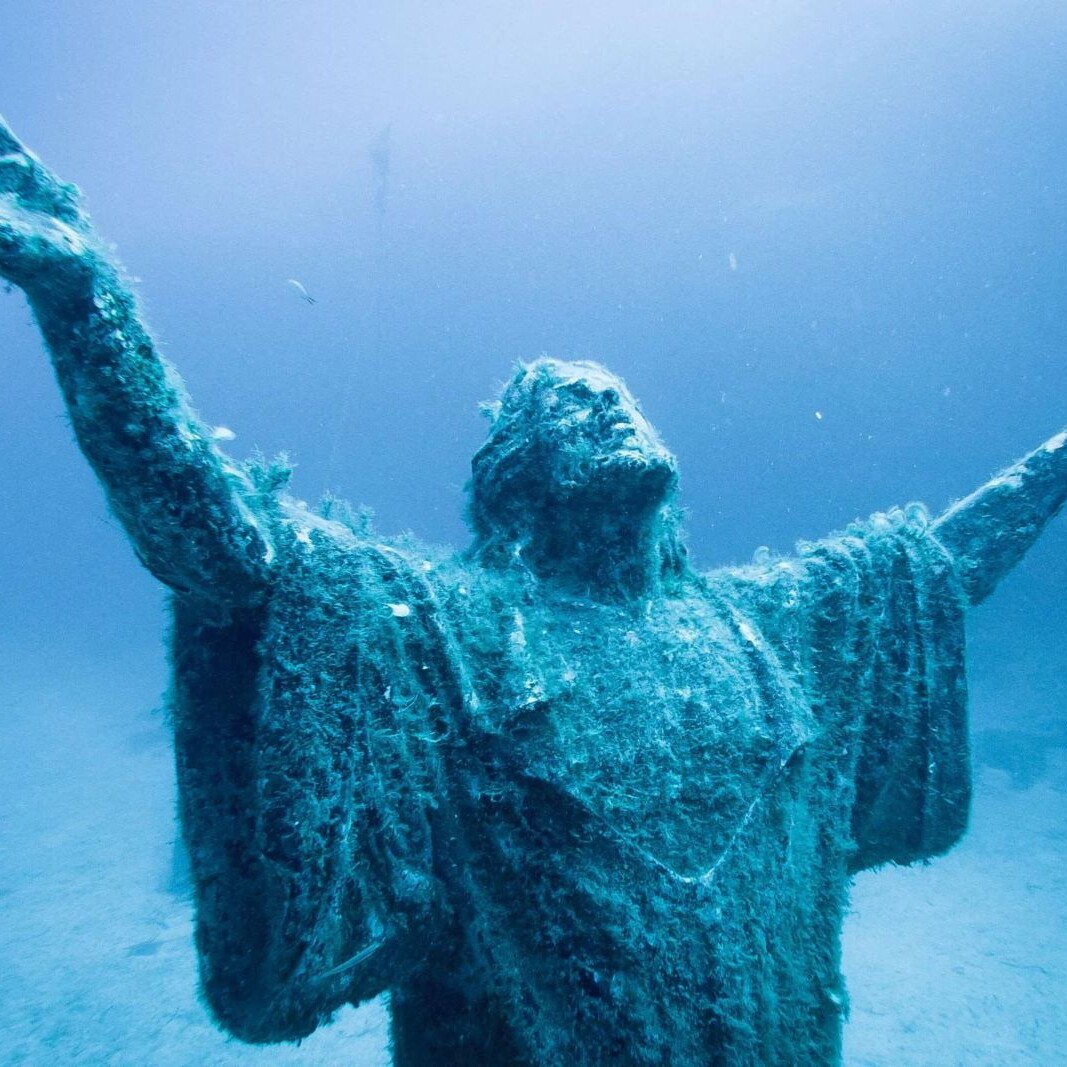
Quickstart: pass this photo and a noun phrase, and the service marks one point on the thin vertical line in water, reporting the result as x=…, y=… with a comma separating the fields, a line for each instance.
x=380, y=160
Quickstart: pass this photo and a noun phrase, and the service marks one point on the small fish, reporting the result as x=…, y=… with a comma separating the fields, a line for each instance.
x=732, y=260
x=301, y=290
x=223, y=433
x=144, y=948
x=399, y=611
x=354, y=961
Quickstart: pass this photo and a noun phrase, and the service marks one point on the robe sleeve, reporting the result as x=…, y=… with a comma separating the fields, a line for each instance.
x=872, y=622
x=885, y=626
x=309, y=785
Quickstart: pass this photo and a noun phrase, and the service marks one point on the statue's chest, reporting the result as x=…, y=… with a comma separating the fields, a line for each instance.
x=665, y=724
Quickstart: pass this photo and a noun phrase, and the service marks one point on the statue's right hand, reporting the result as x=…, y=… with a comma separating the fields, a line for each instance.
x=45, y=236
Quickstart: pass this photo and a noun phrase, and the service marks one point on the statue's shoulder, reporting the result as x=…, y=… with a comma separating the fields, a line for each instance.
x=769, y=572
x=766, y=575
x=336, y=551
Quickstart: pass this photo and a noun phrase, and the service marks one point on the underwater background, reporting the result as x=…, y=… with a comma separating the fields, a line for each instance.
x=824, y=243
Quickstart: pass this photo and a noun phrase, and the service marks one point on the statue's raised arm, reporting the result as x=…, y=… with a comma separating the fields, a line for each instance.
x=989, y=531
x=187, y=508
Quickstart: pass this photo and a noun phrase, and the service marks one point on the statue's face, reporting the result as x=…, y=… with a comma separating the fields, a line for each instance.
x=570, y=451
x=603, y=439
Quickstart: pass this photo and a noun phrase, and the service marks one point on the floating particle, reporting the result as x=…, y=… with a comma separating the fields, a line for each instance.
x=223, y=433
x=400, y=611
x=300, y=290
x=732, y=260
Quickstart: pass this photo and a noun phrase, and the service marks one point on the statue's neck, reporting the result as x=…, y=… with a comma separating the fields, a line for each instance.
x=596, y=551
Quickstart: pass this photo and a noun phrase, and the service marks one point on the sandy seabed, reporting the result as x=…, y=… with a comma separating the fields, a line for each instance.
x=963, y=961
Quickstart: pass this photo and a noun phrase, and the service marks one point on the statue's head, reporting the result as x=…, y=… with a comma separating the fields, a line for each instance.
x=571, y=456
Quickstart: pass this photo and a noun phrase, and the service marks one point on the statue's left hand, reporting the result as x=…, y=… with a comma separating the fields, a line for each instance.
x=991, y=530
x=45, y=237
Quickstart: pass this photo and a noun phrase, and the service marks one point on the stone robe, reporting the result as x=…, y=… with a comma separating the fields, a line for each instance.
x=559, y=831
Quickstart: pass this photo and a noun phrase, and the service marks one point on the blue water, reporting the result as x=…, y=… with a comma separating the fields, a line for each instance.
x=825, y=244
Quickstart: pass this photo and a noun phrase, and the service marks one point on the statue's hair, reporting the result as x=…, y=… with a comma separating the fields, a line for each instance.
x=503, y=470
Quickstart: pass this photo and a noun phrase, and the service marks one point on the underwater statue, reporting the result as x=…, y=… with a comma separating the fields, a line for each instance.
x=566, y=799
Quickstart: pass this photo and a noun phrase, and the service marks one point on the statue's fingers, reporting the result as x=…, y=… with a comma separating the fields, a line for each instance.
x=23, y=174
x=31, y=246
x=16, y=173
x=37, y=188
x=8, y=141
